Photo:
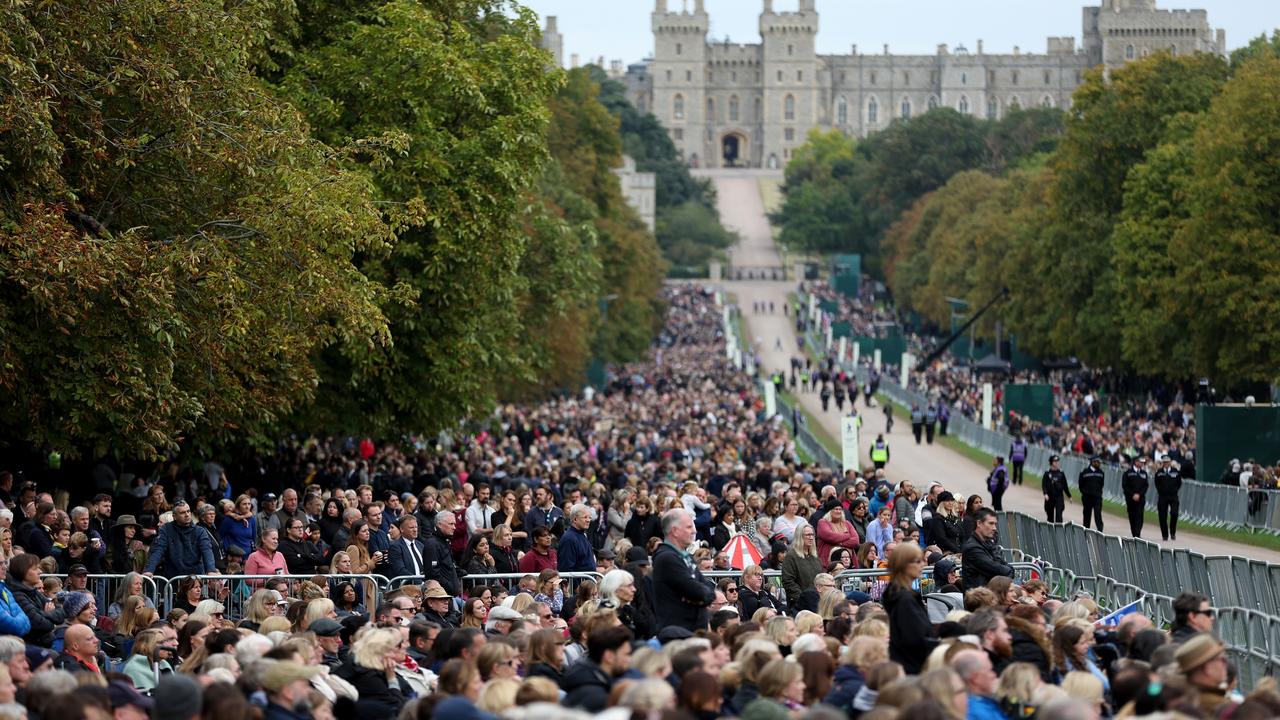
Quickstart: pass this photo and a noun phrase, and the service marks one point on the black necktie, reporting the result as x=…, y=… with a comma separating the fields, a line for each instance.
x=417, y=559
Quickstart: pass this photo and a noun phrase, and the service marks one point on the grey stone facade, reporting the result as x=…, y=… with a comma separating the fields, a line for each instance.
x=751, y=105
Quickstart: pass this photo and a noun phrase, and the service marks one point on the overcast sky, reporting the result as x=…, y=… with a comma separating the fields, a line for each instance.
x=620, y=29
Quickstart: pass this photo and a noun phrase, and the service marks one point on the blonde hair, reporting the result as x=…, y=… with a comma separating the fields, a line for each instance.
x=864, y=652
x=369, y=649
x=520, y=602
x=498, y=695
x=491, y=656
x=1018, y=682
x=827, y=603
x=316, y=609
x=777, y=627
x=776, y=676
x=275, y=623
x=808, y=621
x=258, y=609
x=649, y=695
x=872, y=628
x=797, y=547
x=1083, y=685
x=650, y=662
x=133, y=616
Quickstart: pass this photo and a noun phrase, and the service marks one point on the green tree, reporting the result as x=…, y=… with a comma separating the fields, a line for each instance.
x=176, y=248
x=1115, y=121
x=461, y=90
x=690, y=234
x=1228, y=250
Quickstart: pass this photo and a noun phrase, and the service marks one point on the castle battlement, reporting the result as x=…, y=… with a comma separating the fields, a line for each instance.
x=753, y=104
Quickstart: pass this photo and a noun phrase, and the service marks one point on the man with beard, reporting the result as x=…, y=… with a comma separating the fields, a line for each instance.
x=993, y=635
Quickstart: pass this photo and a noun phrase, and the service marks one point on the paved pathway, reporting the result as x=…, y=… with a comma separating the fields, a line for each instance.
x=741, y=209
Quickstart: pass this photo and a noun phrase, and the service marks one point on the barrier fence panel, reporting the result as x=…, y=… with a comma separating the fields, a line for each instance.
x=234, y=591
x=106, y=588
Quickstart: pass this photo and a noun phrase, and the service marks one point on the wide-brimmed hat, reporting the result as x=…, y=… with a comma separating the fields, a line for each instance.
x=125, y=520
x=436, y=593
x=1197, y=651
x=283, y=672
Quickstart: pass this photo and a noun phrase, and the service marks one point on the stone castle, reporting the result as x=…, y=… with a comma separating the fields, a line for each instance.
x=751, y=105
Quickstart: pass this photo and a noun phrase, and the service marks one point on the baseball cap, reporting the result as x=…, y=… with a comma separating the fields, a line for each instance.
x=121, y=693
x=78, y=569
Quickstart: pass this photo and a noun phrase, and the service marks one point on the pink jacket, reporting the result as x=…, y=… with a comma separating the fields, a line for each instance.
x=830, y=538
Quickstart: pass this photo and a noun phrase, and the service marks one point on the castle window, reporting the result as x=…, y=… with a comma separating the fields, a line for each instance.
x=1015, y=77
x=933, y=102
x=1173, y=50
x=711, y=110
x=733, y=76
x=679, y=48
x=668, y=76
x=791, y=50
x=1014, y=103
x=873, y=111
x=1048, y=77
x=964, y=78
x=789, y=134
x=1128, y=52
x=906, y=109
x=993, y=109
x=677, y=107
x=991, y=77
x=963, y=105
x=789, y=108
x=906, y=78
x=842, y=111
x=1046, y=101
x=799, y=76
x=679, y=133
x=843, y=76
x=688, y=75
x=873, y=77
x=759, y=110
x=733, y=108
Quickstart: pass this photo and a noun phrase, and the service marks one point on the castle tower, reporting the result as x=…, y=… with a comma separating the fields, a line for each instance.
x=679, y=73
x=790, y=79
x=1124, y=30
x=553, y=41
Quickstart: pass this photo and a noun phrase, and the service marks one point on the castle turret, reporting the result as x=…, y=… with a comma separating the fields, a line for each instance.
x=680, y=76
x=790, y=82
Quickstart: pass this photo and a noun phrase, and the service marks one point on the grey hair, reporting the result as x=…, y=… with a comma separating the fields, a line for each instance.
x=1065, y=709
x=671, y=517
x=968, y=663
x=78, y=511
x=10, y=647
x=577, y=510
x=435, y=521
x=610, y=583
x=982, y=621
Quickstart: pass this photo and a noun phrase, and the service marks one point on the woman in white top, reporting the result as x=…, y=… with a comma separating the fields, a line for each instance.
x=788, y=521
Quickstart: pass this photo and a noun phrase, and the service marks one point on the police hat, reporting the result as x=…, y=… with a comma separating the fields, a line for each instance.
x=1054, y=458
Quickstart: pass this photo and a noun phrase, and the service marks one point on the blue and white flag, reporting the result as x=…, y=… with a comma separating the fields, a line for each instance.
x=1114, y=618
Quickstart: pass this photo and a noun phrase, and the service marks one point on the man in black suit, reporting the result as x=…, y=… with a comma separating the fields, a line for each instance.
x=407, y=552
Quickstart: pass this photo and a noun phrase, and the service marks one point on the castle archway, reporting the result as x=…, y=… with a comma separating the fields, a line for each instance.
x=733, y=150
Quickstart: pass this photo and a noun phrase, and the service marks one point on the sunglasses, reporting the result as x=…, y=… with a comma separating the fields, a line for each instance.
x=731, y=589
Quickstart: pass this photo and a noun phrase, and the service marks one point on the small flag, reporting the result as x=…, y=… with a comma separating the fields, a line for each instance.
x=1114, y=618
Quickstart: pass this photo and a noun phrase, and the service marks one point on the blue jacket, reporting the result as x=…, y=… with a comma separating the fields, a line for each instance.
x=845, y=685
x=984, y=708
x=575, y=553
x=182, y=551
x=13, y=621
x=236, y=534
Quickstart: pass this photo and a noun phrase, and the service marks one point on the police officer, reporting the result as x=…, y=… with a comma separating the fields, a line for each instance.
x=1134, y=484
x=1018, y=456
x=1055, y=489
x=930, y=422
x=1090, y=482
x=1168, y=482
x=826, y=396
x=917, y=422
x=880, y=452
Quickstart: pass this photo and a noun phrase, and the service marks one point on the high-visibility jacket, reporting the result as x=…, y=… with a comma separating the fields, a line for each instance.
x=879, y=452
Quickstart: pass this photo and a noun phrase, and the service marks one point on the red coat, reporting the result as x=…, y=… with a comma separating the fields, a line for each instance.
x=829, y=538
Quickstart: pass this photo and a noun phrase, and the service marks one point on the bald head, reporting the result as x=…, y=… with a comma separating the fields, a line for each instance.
x=80, y=641
x=974, y=668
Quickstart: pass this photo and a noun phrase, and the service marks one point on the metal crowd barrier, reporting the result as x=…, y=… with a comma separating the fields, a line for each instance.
x=104, y=588
x=1205, y=503
x=234, y=591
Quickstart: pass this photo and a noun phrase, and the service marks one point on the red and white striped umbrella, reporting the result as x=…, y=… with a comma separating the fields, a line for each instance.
x=742, y=552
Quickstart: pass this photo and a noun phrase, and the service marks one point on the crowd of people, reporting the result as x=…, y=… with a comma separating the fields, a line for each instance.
x=654, y=550
x=1095, y=413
